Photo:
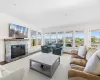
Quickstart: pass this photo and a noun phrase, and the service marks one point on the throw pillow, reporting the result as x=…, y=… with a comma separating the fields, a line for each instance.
x=90, y=53
x=82, y=51
x=93, y=64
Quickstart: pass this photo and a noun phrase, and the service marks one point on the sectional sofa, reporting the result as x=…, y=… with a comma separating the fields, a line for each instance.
x=85, y=68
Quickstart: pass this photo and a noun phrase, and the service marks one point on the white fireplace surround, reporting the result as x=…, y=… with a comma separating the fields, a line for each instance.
x=9, y=43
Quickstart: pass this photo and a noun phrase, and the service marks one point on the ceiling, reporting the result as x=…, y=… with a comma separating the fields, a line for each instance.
x=53, y=13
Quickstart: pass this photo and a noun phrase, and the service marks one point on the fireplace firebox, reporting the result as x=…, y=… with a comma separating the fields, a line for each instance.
x=17, y=50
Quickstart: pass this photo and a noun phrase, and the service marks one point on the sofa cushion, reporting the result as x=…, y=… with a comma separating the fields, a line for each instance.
x=77, y=67
x=93, y=64
x=82, y=51
x=90, y=53
x=77, y=61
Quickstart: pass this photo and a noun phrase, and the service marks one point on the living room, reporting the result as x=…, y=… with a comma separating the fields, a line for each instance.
x=49, y=39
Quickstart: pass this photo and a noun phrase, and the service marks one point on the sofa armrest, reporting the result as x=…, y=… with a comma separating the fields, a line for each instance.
x=15, y=75
x=77, y=73
x=2, y=69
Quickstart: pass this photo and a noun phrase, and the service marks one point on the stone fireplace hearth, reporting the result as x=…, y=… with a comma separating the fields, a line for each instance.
x=15, y=44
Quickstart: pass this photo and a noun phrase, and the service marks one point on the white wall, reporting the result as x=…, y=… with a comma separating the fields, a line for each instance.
x=82, y=27
x=4, y=32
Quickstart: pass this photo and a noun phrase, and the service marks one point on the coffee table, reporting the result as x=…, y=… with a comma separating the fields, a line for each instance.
x=51, y=62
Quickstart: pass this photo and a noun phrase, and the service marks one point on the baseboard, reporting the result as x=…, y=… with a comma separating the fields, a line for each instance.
x=3, y=62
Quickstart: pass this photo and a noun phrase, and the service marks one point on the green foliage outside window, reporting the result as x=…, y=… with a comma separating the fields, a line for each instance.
x=79, y=42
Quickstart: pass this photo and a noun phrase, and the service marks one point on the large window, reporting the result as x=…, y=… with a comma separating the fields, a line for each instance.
x=33, y=38
x=46, y=38
x=95, y=38
x=39, y=38
x=60, y=37
x=53, y=37
x=69, y=39
x=79, y=38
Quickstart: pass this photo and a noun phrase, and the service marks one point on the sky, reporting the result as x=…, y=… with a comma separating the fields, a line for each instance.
x=80, y=35
x=96, y=34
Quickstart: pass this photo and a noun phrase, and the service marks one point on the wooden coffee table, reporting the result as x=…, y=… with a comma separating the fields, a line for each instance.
x=50, y=61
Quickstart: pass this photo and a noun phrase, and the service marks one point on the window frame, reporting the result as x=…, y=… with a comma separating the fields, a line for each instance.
x=92, y=45
x=55, y=38
x=39, y=37
x=62, y=38
x=46, y=38
x=70, y=44
x=33, y=38
x=80, y=38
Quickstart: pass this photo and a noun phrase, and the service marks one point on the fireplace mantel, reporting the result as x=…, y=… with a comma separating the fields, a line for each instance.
x=16, y=39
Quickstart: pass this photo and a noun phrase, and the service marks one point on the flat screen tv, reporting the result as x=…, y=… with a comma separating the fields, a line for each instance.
x=17, y=31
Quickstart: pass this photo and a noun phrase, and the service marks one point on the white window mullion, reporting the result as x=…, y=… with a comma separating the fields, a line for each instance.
x=49, y=37
x=56, y=36
x=64, y=38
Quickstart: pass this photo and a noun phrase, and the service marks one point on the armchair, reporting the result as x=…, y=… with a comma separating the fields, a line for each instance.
x=7, y=75
x=46, y=49
x=57, y=50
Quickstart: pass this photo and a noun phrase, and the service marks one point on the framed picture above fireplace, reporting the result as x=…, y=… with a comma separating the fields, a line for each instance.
x=17, y=31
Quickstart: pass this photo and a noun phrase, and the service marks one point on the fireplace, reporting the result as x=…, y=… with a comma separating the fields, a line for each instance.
x=17, y=50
